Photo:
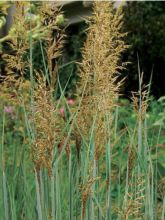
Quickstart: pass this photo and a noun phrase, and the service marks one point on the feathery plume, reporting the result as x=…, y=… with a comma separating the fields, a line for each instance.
x=99, y=69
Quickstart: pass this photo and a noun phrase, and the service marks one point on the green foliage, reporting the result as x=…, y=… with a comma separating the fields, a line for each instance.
x=144, y=21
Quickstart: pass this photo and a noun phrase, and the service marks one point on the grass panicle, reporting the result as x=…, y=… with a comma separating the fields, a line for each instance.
x=99, y=69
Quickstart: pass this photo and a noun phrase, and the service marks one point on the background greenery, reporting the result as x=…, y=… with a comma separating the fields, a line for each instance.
x=145, y=23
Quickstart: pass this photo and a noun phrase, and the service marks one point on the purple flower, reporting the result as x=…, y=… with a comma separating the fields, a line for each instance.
x=70, y=102
x=8, y=109
x=62, y=111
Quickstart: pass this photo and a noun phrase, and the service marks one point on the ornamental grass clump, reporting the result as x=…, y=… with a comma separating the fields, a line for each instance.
x=100, y=68
x=14, y=83
x=99, y=89
x=22, y=84
x=133, y=204
x=48, y=123
x=86, y=158
x=32, y=24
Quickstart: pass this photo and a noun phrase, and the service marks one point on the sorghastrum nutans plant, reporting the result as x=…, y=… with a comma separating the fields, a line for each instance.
x=47, y=126
x=30, y=26
x=134, y=200
x=33, y=24
x=53, y=19
x=99, y=71
x=86, y=191
x=15, y=58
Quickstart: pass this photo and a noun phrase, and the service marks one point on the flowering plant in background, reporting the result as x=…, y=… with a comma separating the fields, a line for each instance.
x=63, y=110
x=70, y=101
x=8, y=109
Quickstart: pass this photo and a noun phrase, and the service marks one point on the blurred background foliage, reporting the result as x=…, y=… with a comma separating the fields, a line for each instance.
x=145, y=24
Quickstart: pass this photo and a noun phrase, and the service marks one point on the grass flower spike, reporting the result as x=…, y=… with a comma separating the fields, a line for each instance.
x=100, y=67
